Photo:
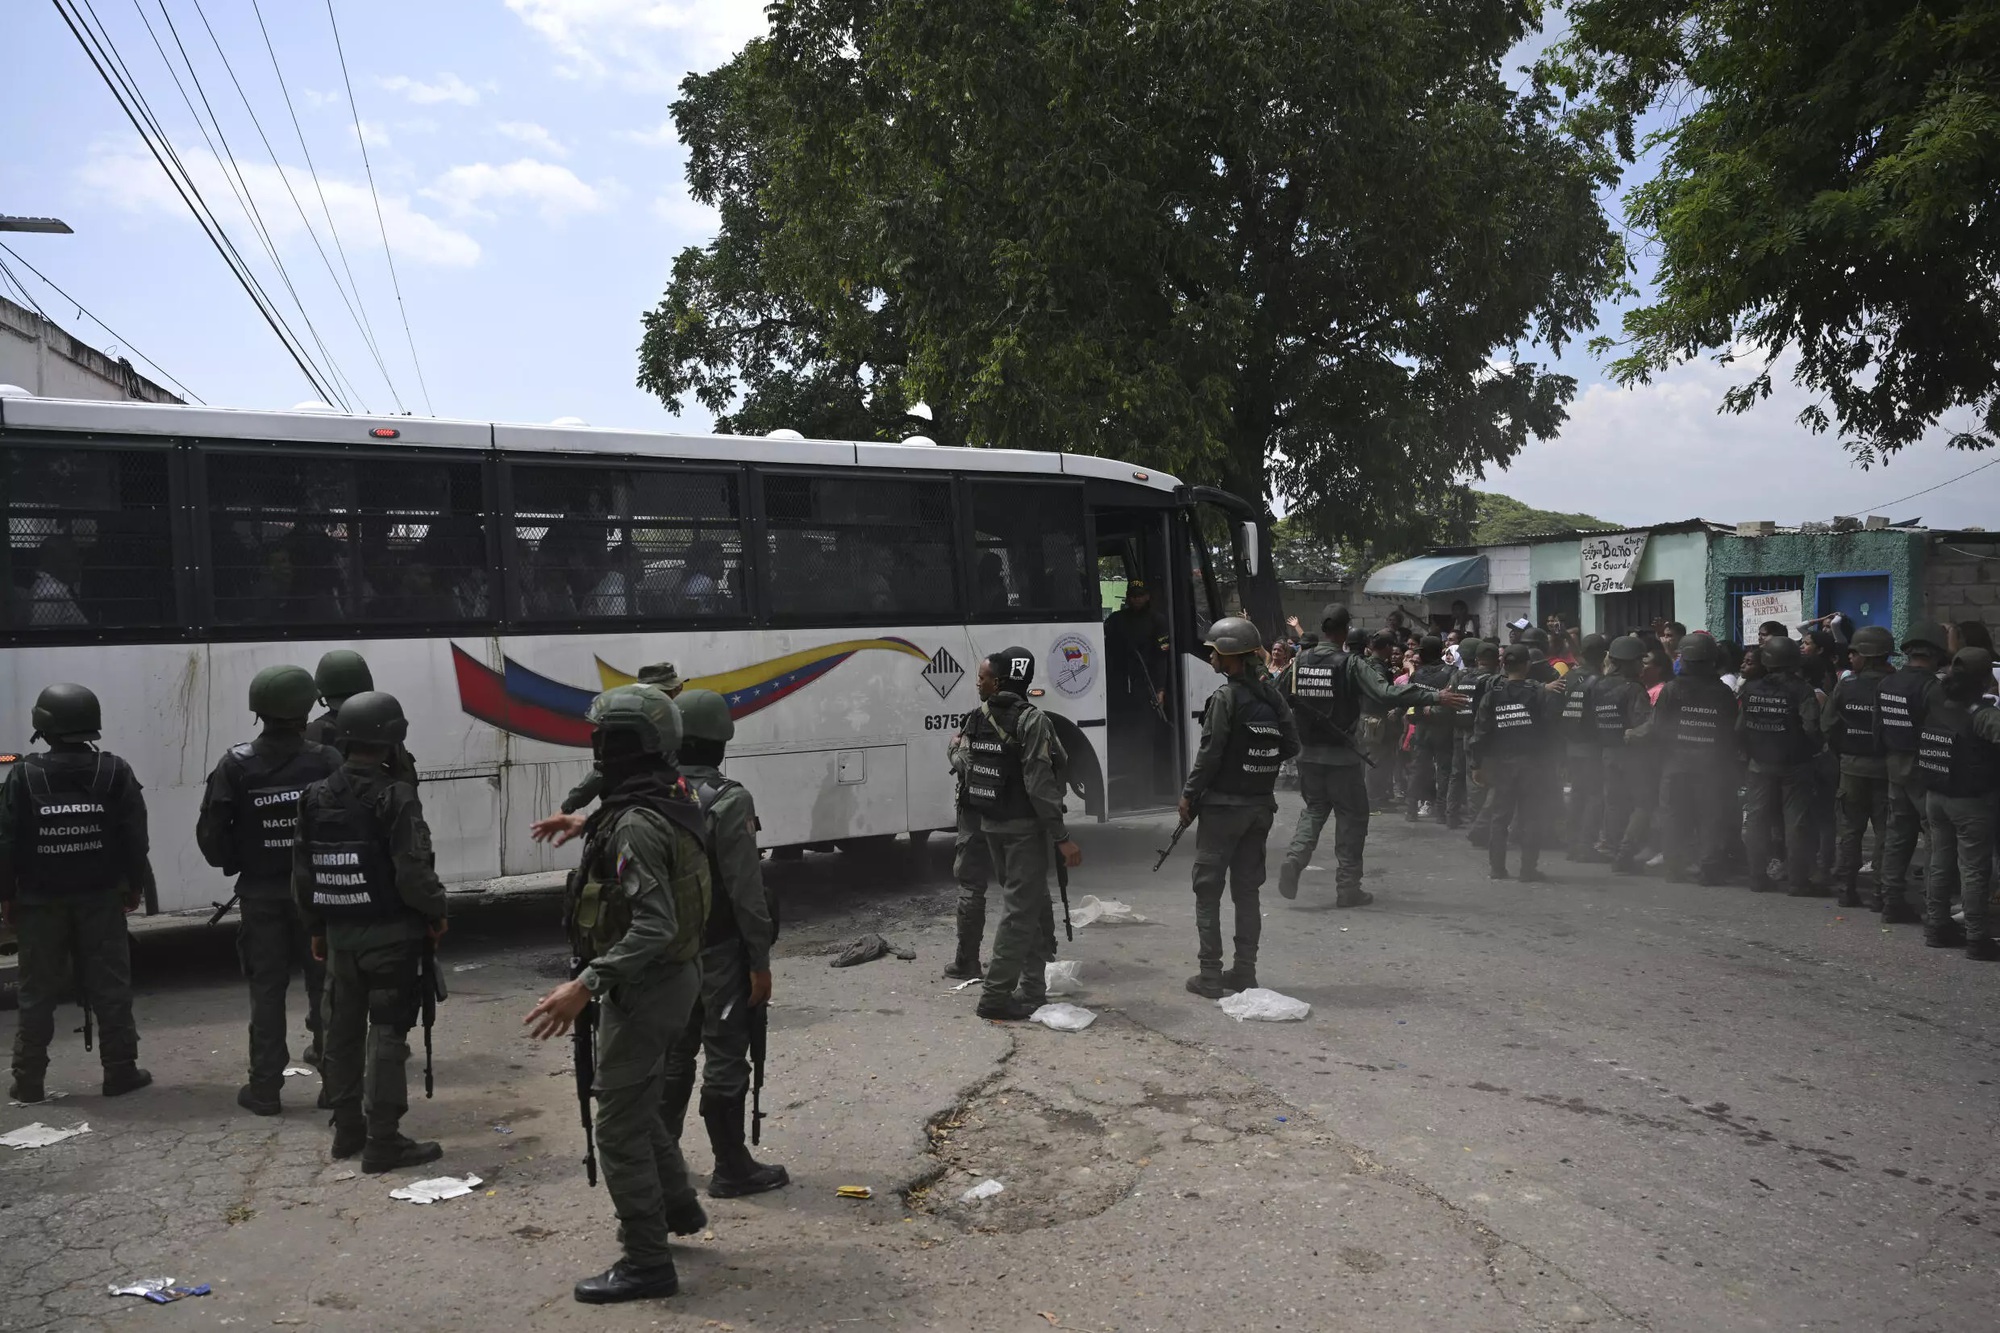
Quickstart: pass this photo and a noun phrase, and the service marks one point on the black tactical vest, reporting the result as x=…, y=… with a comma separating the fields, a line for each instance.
x=1323, y=701
x=1471, y=682
x=1899, y=707
x=1516, y=719
x=1772, y=732
x=1954, y=760
x=1250, y=759
x=1608, y=697
x=1702, y=720
x=347, y=850
x=1858, y=696
x=267, y=805
x=1579, y=725
x=65, y=843
x=1435, y=676
x=994, y=785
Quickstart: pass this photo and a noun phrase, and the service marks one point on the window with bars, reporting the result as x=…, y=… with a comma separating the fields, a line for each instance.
x=609, y=543
x=864, y=548
x=1027, y=550
x=1625, y=612
x=297, y=539
x=89, y=539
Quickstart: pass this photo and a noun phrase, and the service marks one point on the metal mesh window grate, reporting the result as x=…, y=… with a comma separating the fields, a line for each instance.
x=1027, y=550
x=1625, y=612
x=859, y=548
x=89, y=539
x=595, y=543
x=303, y=540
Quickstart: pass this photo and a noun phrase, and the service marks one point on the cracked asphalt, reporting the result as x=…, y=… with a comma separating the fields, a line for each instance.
x=1595, y=1102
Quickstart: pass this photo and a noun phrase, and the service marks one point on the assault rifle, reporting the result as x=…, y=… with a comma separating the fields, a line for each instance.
x=430, y=984
x=583, y=1043
x=760, y=1033
x=1179, y=829
x=1062, y=886
x=222, y=909
x=83, y=1001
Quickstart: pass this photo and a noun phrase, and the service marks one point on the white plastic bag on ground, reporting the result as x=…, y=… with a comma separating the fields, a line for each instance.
x=1258, y=1004
x=39, y=1135
x=985, y=1189
x=1063, y=977
x=1063, y=1017
x=436, y=1188
x=1110, y=911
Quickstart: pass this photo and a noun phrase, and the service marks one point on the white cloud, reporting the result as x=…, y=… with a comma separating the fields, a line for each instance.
x=533, y=136
x=661, y=136
x=556, y=192
x=448, y=88
x=1662, y=452
x=123, y=173
x=687, y=221
x=372, y=132
x=647, y=43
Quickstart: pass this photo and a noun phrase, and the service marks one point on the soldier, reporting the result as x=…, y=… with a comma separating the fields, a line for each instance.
x=340, y=675
x=1618, y=705
x=735, y=958
x=1486, y=670
x=1693, y=728
x=973, y=869
x=1381, y=726
x=1511, y=736
x=637, y=908
x=1247, y=734
x=73, y=862
x=246, y=828
x=1458, y=796
x=1902, y=703
x=1430, y=756
x=1011, y=764
x=1779, y=729
x=662, y=675
x=1582, y=755
x=1959, y=753
x=366, y=883
x=1847, y=724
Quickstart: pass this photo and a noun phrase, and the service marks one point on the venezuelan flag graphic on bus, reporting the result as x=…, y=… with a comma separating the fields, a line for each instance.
x=527, y=703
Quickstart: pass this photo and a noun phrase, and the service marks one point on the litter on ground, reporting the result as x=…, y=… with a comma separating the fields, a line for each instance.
x=867, y=949
x=299, y=1071
x=1063, y=1017
x=855, y=1192
x=436, y=1188
x=1260, y=1005
x=50, y=1096
x=985, y=1189
x=158, y=1290
x=1063, y=977
x=466, y=967
x=1110, y=911
x=39, y=1135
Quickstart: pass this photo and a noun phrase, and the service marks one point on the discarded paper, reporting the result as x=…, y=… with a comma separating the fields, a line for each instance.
x=985, y=1189
x=158, y=1290
x=1260, y=1005
x=436, y=1189
x=50, y=1096
x=467, y=967
x=299, y=1071
x=855, y=1192
x=39, y=1135
x=1110, y=911
x=1063, y=1017
x=966, y=985
x=1063, y=977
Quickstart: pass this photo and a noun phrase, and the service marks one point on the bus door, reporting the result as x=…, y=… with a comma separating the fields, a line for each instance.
x=1143, y=760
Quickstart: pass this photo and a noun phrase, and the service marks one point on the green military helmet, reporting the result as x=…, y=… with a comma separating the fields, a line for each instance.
x=1627, y=648
x=1700, y=648
x=663, y=674
x=1468, y=650
x=1779, y=654
x=1926, y=635
x=1232, y=636
x=1872, y=641
x=373, y=718
x=705, y=716
x=342, y=674
x=284, y=692
x=67, y=713
x=645, y=711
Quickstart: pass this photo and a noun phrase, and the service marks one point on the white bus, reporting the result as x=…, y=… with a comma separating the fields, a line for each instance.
x=496, y=577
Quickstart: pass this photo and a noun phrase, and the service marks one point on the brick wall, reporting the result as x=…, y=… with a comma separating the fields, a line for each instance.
x=1962, y=578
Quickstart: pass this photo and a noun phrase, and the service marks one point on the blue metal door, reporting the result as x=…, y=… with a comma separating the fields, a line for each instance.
x=1862, y=598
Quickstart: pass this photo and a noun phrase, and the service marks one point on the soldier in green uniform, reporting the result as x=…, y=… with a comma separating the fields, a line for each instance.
x=1011, y=765
x=1247, y=734
x=1459, y=791
x=1847, y=724
x=1583, y=757
x=1693, y=729
x=73, y=862
x=1618, y=707
x=1485, y=671
x=1902, y=703
x=735, y=958
x=340, y=675
x=662, y=675
x=636, y=909
x=1779, y=728
x=366, y=883
x=246, y=829
x=1959, y=754
x=1327, y=687
x=1430, y=755
x=1512, y=735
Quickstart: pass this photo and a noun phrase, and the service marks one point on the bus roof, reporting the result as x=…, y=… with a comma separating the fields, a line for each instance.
x=229, y=423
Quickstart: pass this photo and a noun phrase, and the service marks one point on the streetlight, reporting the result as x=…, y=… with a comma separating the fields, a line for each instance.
x=55, y=225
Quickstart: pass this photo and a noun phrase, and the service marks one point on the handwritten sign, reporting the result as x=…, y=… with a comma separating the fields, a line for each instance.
x=1610, y=563
x=1787, y=608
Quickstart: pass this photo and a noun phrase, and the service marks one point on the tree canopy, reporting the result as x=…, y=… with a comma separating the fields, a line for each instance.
x=1502, y=518
x=1825, y=187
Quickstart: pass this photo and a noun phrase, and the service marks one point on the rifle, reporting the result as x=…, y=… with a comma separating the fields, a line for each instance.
x=1062, y=886
x=83, y=1001
x=1179, y=829
x=222, y=909
x=431, y=985
x=583, y=1043
x=760, y=1032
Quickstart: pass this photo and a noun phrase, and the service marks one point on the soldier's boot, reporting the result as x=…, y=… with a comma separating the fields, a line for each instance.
x=1208, y=983
x=27, y=1087
x=349, y=1138
x=1896, y=910
x=1005, y=1008
x=965, y=966
x=1355, y=897
x=325, y=1099
x=623, y=1282
x=1949, y=935
x=259, y=1099
x=737, y=1173
x=1288, y=880
x=1850, y=889
x=1531, y=868
x=1241, y=977
x=684, y=1219
x=396, y=1152
x=1983, y=950
x=120, y=1079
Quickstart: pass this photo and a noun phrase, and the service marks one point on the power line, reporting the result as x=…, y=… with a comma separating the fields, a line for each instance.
x=367, y=325
x=382, y=226
x=16, y=284
x=123, y=341
x=189, y=193
x=1991, y=462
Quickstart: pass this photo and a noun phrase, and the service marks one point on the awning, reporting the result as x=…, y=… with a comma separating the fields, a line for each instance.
x=1427, y=576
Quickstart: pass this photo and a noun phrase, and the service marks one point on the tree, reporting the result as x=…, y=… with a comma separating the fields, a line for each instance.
x=1502, y=519
x=1273, y=245
x=1825, y=188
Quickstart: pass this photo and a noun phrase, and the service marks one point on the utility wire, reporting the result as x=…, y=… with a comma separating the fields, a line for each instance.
x=16, y=284
x=1991, y=462
x=123, y=341
x=190, y=194
x=381, y=226
x=367, y=325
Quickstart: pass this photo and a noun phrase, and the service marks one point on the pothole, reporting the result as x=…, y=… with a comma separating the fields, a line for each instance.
x=1057, y=1165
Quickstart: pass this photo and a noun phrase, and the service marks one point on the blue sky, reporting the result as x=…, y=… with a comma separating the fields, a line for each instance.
x=533, y=196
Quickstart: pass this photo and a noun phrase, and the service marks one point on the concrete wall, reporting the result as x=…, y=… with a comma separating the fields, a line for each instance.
x=1680, y=558
x=47, y=362
x=1811, y=554
x=1962, y=579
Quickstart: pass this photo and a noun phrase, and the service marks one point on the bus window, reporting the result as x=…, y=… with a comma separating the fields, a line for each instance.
x=859, y=548
x=89, y=539
x=1028, y=551
x=301, y=539
x=593, y=543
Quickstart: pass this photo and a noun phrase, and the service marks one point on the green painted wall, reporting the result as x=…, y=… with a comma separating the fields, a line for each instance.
x=1677, y=557
x=1812, y=554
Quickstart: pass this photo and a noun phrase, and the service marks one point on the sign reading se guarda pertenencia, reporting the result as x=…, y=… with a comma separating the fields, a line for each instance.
x=1610, y=563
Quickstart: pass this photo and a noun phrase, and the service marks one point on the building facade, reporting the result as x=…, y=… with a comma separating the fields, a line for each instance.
x=40, y=356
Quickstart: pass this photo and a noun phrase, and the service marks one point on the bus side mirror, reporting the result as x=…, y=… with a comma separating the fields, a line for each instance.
x=1248, y=532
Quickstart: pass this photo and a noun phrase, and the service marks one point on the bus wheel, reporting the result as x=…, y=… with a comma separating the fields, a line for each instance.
x=873, y=845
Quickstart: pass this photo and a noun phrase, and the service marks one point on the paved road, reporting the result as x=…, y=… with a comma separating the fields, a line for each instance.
x=1599, y=1101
